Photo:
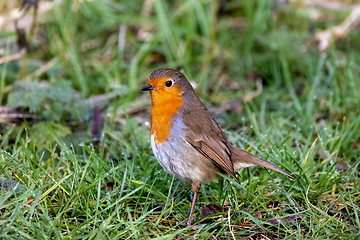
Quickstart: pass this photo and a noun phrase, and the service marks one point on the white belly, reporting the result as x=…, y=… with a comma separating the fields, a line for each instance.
x=176, y=160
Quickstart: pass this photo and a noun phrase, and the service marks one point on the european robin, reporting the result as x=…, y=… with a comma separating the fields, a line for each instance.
x=186, y=139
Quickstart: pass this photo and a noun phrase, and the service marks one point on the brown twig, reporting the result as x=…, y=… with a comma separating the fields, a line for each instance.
x=327, y=5
x=13, y=57
x=337, y=32
x=259, y=88
x=93, y=101
x=7, y=115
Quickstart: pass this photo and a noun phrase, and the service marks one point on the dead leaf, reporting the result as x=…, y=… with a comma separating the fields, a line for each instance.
x=109, y=186
x=287, y=220
x=29, y=201
x=21, y=40
x=209, y=210
x=342, y=167
x=97, y=123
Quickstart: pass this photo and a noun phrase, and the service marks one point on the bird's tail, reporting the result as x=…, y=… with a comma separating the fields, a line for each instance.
x=242, y=159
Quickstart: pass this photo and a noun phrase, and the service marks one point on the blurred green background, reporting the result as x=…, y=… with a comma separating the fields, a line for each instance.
x=74, y=124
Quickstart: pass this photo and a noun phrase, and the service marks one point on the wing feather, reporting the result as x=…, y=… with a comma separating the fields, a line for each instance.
x=217, y=152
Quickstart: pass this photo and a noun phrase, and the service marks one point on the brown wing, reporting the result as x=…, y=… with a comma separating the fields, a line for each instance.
x=216, y=152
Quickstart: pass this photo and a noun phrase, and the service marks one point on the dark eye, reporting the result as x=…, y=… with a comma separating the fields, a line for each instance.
x=169, y=83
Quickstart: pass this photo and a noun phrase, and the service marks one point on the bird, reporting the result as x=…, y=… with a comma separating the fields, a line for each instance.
x=186, y=139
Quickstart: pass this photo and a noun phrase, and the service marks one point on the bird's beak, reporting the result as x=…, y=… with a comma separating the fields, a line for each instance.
x=147, y=88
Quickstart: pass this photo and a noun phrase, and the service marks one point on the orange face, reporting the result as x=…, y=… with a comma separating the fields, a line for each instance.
x=166, y=99
x=164, y=89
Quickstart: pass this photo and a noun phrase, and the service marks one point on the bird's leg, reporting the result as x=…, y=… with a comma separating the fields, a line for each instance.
x=195, y=187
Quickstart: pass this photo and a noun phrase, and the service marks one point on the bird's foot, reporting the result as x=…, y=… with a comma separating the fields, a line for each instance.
x=193, y=227
x=188, y=222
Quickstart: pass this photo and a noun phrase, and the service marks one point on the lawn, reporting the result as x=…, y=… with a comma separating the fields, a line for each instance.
x=75, y=155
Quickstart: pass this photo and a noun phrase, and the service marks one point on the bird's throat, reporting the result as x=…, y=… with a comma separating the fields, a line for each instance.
x=164, y=108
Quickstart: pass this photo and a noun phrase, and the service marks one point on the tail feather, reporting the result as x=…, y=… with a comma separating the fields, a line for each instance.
x=241, y=159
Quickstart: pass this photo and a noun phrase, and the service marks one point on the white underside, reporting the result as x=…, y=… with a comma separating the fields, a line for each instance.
x=172, y=158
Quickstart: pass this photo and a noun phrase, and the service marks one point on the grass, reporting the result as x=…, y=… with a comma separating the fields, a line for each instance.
x=59, y=180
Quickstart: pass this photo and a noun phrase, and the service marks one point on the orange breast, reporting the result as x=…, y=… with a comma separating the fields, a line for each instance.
x=165, y=104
